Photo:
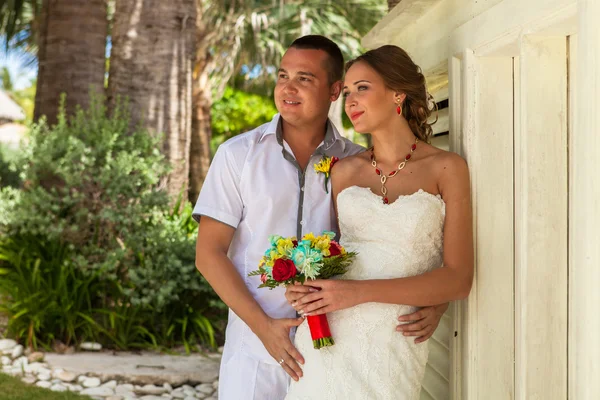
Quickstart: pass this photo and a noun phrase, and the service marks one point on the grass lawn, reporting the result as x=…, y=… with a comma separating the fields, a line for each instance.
x=13, y=389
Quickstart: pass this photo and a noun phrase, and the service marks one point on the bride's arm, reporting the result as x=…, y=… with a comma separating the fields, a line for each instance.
x=451, y=282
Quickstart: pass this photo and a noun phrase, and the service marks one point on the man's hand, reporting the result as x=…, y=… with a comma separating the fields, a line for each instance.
x=275, y=336
x=422, y=323
x=213, y=243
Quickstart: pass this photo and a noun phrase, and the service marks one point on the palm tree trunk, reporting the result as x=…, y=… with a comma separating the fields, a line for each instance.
x=152, y=61
x=71, y=58
x=392, y=4
x=201, y=129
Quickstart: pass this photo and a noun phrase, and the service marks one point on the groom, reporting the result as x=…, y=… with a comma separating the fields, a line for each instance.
x=262, y=183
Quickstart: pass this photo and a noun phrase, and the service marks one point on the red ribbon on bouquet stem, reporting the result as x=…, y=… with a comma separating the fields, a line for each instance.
x=319, y=331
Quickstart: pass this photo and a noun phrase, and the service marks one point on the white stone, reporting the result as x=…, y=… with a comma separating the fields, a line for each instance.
x=110, y=384
x=216, y=384
x=76, y=388
x=30, y=380
x=189, y=392
x=82, y=378
x=168, y=387
x=20, y=362
x=190, y=398
x=90, y=346
x=92, y=383
x=177, y=395
x=211, y=398
x=37, y=368
x=65, y=376
x=152, y=397
x=5, y=360
x=188, y=387
x=127, y=387
x=57, y=387
x=98, y=391
x=114, y=398
x=44, y=384
x=7, y=344
x=17, y=351
x=206, y=388
x=152, y=389
x=44, y=377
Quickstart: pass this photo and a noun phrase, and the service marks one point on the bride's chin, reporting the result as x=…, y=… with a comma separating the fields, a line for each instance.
x=360, y=130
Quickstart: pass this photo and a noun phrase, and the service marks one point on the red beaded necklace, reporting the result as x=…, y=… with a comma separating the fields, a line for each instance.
x=385, y=177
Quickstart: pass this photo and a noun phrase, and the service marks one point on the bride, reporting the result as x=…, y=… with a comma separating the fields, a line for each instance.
x=404, y=206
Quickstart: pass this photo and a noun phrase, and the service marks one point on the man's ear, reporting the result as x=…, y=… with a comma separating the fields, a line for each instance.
x=335, y=90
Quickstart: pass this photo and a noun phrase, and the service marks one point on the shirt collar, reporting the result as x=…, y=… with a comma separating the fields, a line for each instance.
x=331, y=134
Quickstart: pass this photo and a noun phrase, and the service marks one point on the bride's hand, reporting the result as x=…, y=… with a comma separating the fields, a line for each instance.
x=331, y=295
x=295, y=292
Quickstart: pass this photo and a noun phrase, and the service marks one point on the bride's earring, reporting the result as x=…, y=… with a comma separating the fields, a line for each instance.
x=399, y=107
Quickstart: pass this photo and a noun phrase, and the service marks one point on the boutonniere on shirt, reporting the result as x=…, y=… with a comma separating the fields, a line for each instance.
x=324, y=167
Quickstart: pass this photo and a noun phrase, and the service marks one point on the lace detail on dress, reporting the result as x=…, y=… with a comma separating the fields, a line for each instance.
x=370, y=360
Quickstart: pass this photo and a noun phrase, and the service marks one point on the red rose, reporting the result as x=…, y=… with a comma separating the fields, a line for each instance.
x=295, y=243
x=283, y=270
x=263, y=278
x=334, y=249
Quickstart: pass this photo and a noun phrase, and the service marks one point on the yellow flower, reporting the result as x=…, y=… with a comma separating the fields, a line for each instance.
x=309, y=236
x=285, y=247
x=274, y=255
x=324, y=167
x=322, y=243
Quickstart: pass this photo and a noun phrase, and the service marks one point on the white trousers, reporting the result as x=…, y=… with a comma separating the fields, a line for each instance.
x=244, y=378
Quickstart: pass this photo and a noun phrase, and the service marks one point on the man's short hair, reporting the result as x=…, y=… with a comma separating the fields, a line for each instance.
x=335, y=62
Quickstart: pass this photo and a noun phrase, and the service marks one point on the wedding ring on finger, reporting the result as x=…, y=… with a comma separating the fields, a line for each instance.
x=281, y=361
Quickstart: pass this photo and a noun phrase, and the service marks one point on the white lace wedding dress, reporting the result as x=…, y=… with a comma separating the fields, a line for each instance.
x=370, y=359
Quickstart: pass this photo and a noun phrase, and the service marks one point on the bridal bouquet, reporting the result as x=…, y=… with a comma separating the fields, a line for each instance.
x=288, y=260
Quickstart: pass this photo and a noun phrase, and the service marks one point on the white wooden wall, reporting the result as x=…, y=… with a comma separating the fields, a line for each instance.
x=524, y=89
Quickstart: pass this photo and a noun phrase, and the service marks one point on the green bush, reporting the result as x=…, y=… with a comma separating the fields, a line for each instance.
x=49, y=297
x=238, y=112
x=9, y=173
x=92, y=187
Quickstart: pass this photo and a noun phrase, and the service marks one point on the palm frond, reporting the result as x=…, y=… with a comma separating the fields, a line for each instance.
x=253, y=35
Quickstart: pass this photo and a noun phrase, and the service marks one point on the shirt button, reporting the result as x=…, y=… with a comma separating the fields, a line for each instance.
x=302, y=188
x=301, y=222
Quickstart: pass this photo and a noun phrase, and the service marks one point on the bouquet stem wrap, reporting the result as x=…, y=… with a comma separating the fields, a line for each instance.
x=319, y=331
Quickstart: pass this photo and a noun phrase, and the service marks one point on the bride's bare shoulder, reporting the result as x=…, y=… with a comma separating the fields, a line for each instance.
x=348, y=165
x=344, y=171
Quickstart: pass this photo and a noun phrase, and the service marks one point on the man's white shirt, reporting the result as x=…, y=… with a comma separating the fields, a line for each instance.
x=256, y=186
